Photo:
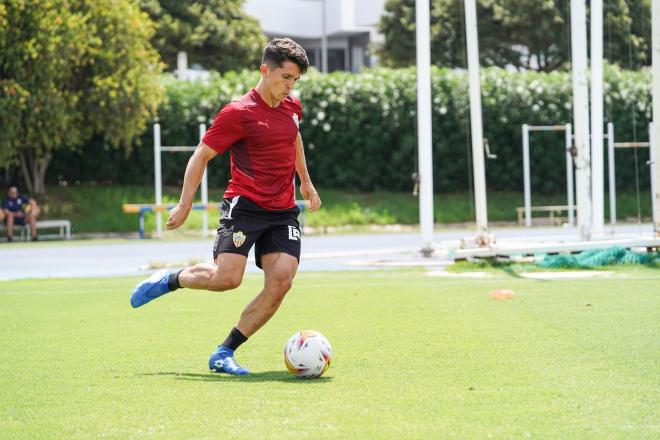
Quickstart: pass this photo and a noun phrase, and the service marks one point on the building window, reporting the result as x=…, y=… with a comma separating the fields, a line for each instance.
x=336, y=60
x=313, y=56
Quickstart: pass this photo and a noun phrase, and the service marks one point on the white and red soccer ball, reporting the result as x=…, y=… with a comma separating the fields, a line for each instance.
x=307, y=354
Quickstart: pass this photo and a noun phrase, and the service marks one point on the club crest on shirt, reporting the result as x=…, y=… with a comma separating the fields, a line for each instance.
x=296, y=120
x=239, y=238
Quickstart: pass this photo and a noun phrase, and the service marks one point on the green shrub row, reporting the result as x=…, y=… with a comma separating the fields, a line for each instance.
x=360, y=129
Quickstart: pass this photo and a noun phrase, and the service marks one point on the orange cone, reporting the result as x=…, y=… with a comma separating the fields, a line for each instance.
x=501, y=294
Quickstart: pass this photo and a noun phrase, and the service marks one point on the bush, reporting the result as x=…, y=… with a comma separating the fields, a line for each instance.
x=360, y=129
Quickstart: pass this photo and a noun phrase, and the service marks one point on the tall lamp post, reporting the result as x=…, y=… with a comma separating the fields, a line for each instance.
x=324, y=37
x=425, y=155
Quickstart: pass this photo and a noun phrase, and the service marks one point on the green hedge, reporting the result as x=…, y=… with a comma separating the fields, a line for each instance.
x=360, y=129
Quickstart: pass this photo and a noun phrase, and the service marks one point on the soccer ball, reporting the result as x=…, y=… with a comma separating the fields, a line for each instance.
x=307, y=354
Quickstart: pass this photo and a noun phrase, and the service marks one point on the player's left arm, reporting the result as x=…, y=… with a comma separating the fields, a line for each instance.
x=306, y=186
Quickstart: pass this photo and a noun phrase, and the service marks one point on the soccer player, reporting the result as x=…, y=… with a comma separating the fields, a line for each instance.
x=260, y=130
x=20, y=210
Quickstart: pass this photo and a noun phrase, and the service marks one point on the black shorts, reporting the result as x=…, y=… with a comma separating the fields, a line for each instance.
x=19, y=221
x=244, y=224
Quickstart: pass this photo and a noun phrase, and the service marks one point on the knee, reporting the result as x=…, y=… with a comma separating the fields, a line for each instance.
x=280, y=284
x=222, y=282
x=277, y=290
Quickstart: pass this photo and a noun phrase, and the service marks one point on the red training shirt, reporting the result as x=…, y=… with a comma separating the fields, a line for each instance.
x=262, y=144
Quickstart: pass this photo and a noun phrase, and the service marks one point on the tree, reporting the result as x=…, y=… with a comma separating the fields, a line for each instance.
x=526, y=34
x=535, y=32
x=218, y=34
x=71, y=70
x=627, y=32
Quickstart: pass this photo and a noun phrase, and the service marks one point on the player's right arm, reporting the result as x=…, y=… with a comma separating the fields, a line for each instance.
x=193, y=176
x=225, y=131
x=5, y=206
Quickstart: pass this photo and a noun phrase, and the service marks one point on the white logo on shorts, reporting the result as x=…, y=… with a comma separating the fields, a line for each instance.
x=232, y=204
x=294, y=233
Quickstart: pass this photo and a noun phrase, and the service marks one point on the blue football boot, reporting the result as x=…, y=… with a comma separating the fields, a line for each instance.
x=151, y=288
x=222, y=361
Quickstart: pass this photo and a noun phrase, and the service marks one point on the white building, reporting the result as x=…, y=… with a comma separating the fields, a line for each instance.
x=350, y=25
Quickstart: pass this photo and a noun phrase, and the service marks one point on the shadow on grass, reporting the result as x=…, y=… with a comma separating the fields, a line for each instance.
x=511, y=271
x=262, y=376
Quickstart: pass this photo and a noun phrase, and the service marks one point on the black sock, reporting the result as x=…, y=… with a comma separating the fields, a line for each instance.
x=235, y=339
x=173, y=281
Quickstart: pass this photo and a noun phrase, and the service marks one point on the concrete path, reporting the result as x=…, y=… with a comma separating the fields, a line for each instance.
x=320, y=253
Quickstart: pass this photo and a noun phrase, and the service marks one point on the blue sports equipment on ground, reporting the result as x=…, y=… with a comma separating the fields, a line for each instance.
x=222, y=361
x=150, y=289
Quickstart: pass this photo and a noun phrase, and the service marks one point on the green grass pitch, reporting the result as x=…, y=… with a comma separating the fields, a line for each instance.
x=415, y=357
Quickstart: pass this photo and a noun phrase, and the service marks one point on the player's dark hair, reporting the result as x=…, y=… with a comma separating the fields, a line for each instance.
x=279, y=50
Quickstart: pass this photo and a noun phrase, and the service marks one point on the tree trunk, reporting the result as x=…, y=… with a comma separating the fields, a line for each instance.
x=33, y=170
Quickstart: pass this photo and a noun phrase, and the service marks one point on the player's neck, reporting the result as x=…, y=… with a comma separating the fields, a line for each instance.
x=269, y=99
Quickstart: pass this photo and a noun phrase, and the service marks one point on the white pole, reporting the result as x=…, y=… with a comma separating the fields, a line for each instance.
x=568, y=131
x=655, y=146
x=527, y=186
x=324, y=37
x=478, y=162
x=611, y=171
x=655, y=201
x=158, y=180
x=205, y=190
x=581, y=115
x=597, y=167
x=425, y=155
x=182, y=65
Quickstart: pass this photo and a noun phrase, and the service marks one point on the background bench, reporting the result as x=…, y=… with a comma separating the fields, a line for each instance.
x=142, y=208
x=64, y=227
x=554, y=212
x=19, y=230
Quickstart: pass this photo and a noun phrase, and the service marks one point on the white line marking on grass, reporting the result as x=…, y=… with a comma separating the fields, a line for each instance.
x=399, y=263
x=572, y=275
x=443, y=274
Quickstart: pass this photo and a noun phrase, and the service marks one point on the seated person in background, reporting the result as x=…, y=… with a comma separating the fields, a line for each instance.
x=20, y=210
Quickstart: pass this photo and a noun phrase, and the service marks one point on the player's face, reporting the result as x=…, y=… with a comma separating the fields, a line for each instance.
x=280, y=80
x=13, y=192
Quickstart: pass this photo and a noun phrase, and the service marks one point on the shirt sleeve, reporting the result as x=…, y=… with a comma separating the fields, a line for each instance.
x=5, y=203
x=226, y=129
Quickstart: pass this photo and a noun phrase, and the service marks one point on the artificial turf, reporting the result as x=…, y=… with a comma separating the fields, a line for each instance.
x=414, y=357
